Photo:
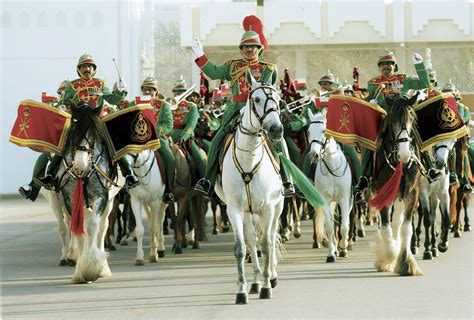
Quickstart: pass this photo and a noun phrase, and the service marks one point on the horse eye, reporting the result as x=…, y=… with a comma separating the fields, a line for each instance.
x=257, y=100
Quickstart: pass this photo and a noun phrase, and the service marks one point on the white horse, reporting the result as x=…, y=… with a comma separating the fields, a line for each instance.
x=250, y=185
x=148, y=196
x=332, y=178
x=433, y=196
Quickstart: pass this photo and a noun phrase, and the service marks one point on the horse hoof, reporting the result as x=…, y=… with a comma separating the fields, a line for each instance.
x=195, y=245
x=112, y=248
x=161, y=253
x=71, y=262
x=297, y=235
x=153, y=259
x=265, y=293
x=124, y=243
x=457, y=234
x=178, y=250
x=273, y=282
x=443, y=247
x=255, y=288
x=139, y=262
x=259, y=253
x=285, y=238
x=215, y=232
x=241, y=298
x=316, y=245
x=355, y=238
x=361, y=233
x=63, y=262
x=248, y=259
x=467, y=228
x=434, y=252
x=342, y=253
x=331, y=259
x=225, y=229
x=184, y=244
x=414, y=250
x=166, y=232
x=427, y=255
x=350, y=247
x=304, y=217
x=134, y=239
x=90, y=278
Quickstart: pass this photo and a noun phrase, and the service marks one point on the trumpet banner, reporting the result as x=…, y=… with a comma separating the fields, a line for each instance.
x=439, y=120
x=131, y=130
x=351, y=120
x=40, y=127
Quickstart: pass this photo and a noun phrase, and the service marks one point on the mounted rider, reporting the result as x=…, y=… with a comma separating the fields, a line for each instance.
x=31, y=190
x=164, y=127
x=390, y=83
x=186, y=115
x=235, y=71
x=95, y=92
x=465, y=114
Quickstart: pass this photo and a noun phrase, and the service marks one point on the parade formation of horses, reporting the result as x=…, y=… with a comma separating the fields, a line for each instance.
x=397, y=176
x=87, y=180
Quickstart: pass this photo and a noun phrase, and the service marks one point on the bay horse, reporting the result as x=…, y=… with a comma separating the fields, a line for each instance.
x=87, y=179
x=396, y=175
x=333, y=178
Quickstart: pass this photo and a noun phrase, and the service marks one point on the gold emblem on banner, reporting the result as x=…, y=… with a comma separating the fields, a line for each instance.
x=447, y=117
x=344, y=120
x=25, y=122
x=140, y=130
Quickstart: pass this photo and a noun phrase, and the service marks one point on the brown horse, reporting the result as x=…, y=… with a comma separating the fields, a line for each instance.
x=190, y=205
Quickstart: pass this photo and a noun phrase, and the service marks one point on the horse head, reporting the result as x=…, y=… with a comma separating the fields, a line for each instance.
x=442, y=151
x=398, y=126
x=316, y=136
x=264, y=103
x=84, y=133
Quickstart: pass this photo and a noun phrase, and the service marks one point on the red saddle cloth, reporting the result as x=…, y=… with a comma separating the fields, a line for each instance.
x=40, y=127
x=351, y=120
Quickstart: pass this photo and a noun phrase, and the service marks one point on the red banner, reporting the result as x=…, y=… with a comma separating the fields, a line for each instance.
x=351, y=120
x=40, y=127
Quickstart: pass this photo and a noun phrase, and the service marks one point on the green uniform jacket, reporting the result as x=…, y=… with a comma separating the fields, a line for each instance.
x=187, y=114
x=164, y=124
x=94, y=90
x=406, y=83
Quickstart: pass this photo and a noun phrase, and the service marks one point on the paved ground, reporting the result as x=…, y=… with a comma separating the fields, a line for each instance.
x=201, y=283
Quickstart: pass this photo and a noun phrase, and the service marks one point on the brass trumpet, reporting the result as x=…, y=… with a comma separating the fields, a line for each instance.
x=300, y=103
x=175, y=101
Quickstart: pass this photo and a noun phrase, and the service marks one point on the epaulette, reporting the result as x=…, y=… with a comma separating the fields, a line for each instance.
x=271, y=66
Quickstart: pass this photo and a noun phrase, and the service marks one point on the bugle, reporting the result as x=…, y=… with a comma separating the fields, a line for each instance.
x=175, y=101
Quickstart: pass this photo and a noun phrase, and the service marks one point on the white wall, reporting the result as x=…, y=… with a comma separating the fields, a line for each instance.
x=41, y=42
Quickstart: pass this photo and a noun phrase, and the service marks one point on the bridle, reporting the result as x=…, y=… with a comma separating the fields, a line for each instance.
x=266, y=109
x=321, y=143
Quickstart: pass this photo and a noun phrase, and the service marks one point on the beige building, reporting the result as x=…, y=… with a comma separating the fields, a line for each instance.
x=310, y=37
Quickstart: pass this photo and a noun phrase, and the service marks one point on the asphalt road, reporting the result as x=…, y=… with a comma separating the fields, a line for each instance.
x=201, y=283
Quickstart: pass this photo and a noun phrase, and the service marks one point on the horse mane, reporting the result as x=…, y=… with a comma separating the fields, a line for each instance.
x=85, y=121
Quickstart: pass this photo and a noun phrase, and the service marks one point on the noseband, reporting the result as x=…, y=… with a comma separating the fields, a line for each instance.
x=266, y=110
x=321, y=143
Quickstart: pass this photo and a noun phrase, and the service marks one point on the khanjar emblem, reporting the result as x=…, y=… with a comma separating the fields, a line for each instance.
x=140, y=130
x=344, y=120
x=447, y=117
x=25, y=122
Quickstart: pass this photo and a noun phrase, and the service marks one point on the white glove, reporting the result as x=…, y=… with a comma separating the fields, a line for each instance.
x=197, y=48
x=374, y=101
x=417, y=58
x=122, y=85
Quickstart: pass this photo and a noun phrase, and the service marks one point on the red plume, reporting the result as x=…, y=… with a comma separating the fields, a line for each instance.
x=254, y=23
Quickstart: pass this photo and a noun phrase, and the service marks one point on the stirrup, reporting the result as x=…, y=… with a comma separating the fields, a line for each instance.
x=288, y=190
x=203, y=186
x=168, y=198
x=46, y=182
x=466, y=188
x=131, y=182
x=433, y=174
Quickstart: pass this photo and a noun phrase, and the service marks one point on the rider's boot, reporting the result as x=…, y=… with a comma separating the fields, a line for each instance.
x=131, y=181
x=288, y=189
x=359, y=188
x=453, y=178
x=433, y=174
x=168, y=197
x=30, y=191
x=48, y=181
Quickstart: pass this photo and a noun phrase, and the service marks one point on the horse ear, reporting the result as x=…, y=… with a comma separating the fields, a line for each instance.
x=251, y=80
x=411, y=101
